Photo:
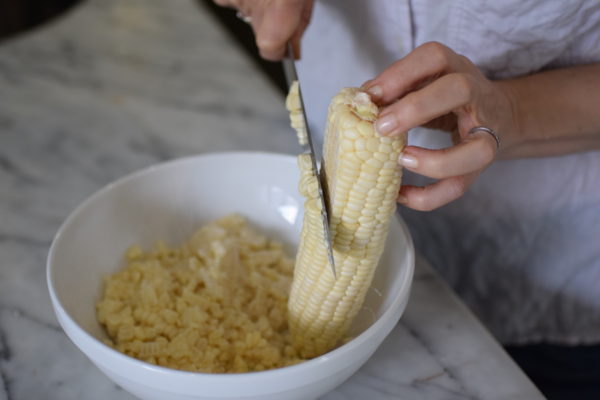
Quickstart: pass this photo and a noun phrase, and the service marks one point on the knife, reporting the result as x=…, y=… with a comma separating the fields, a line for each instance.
x=289, y=68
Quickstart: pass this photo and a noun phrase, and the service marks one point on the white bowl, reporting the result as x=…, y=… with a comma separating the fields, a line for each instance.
x=169, y=202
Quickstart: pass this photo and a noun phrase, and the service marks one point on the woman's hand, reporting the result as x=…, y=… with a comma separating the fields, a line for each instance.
x=437, y=88
x=274, y=22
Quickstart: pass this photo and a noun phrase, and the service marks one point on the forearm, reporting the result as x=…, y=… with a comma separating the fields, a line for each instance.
x=555, y=112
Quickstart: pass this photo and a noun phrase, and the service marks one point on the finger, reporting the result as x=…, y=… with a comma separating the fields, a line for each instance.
x=437, y=194
x=426, y=61
x=440, y=97
x=304, y=22
x=470, y=155
x=276, y=25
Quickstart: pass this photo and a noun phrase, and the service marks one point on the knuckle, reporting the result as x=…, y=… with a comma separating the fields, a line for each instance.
x=467, y=64
x=410, y=106
x=464, y=59
x=436, y=164
x=433, y=167
x=439, y=53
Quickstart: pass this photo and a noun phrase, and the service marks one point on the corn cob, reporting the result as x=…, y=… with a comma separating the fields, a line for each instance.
x=363, y=179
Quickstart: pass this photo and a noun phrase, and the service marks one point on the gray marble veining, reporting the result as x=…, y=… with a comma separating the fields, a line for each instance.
x=117, y=85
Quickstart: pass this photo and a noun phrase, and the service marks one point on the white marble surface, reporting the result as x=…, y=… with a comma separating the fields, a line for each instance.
x=117, y=85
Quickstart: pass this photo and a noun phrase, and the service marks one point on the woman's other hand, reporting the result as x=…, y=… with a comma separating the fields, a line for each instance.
x=274, y=22
x=437, y=88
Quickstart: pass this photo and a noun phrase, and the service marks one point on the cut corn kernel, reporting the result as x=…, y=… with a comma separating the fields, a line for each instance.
x=294, y=106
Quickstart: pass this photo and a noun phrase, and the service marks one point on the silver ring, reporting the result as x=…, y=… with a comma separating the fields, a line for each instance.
x=486, y=130
x=244, y=17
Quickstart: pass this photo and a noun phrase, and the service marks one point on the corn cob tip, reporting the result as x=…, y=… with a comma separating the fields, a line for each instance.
x=360, y=103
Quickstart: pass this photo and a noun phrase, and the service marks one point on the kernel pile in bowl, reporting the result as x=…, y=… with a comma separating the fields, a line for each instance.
x=218, y=303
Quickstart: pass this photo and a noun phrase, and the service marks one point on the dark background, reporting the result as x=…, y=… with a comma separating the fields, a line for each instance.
x=20, y=15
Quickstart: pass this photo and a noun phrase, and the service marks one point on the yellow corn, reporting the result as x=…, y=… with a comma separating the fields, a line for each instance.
x=363, y=179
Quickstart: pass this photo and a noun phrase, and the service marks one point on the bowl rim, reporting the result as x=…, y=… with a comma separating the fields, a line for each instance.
x=67, y=322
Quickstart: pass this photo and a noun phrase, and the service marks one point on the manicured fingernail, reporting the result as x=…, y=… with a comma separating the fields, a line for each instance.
x=386, y=124
x=401, y=199
x=375, y=92
x=407, y=161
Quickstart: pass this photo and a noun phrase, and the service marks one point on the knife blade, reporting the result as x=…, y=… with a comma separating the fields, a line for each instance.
x=289, y=67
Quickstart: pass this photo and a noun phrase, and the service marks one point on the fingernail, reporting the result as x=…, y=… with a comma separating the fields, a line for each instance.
x=366, y=85
x=407, y=161
x=401, y=199
x=386, y=124
x=375, y=92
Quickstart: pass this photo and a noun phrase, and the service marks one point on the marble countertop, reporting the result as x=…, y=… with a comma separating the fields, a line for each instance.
x=117, y=85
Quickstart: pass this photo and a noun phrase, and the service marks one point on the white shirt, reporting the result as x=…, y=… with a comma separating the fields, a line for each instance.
x=522, y=247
